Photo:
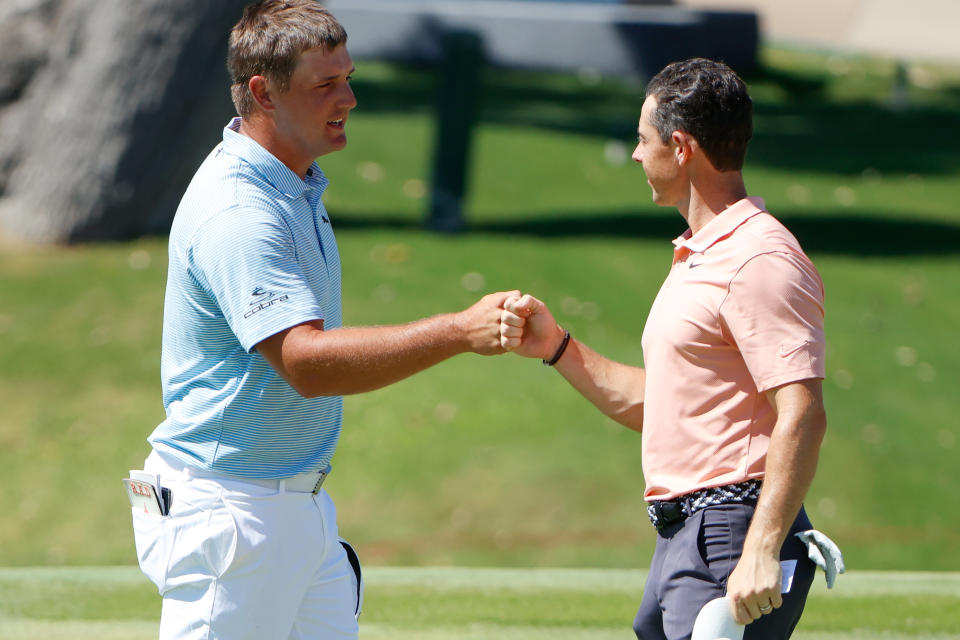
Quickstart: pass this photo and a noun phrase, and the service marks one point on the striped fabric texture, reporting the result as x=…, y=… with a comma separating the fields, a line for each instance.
x=252, y=252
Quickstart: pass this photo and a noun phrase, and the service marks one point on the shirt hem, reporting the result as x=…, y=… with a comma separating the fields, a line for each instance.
x=790, y=378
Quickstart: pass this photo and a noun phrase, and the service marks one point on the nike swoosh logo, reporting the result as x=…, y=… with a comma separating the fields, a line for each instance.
x=786, y=350
x=694, y=264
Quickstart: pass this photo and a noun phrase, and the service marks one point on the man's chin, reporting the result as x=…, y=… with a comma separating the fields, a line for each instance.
x=336, y=144
x=662, y=200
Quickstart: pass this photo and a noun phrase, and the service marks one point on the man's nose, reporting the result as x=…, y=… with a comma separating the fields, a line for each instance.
x=348, y=99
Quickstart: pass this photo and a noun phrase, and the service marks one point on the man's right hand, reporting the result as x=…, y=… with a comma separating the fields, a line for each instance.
x=478, y=325
x=528, y=328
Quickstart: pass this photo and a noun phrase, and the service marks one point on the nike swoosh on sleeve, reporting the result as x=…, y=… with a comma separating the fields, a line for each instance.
x=786, y=350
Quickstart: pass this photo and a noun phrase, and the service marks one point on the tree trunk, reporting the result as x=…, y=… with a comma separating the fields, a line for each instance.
x=106, y=109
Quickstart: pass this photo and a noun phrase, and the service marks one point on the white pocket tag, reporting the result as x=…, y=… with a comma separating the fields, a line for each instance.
x=787, y=569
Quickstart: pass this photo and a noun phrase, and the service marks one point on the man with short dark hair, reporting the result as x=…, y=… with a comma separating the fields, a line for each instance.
x=255, y=360
x=729, y=402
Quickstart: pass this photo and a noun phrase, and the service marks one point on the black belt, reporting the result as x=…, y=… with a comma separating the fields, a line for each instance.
x=666, y=512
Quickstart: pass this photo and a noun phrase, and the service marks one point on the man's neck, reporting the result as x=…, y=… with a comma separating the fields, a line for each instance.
x=263, y=134
x=708, y=199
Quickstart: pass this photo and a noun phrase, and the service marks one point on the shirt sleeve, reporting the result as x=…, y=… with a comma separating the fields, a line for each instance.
x=773, y=312
x=246, y=260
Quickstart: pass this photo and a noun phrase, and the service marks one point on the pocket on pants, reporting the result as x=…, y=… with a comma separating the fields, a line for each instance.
x=153, y=546
x=194, y=546
x=357, y=579
x=720, y=539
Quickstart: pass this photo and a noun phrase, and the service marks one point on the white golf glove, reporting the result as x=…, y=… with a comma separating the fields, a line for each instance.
x=715, y=622
x=824, y=553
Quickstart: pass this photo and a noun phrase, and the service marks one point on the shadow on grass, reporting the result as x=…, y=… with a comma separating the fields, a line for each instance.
x=841, y=235
x=796, y=126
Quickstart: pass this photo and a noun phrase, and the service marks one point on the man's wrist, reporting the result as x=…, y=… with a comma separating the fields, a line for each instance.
x=459, y=332
x=560, y=349
x=763, y=541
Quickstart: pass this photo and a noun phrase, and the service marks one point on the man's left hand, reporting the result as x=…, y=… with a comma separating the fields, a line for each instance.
x=754, y=587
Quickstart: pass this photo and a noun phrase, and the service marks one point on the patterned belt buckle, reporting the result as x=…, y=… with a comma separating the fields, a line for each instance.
x=667, y=512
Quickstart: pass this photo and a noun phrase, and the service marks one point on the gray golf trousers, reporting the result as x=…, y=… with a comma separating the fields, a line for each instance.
x=690, y=566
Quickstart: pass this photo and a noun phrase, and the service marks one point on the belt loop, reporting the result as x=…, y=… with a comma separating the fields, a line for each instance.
x=283, y=485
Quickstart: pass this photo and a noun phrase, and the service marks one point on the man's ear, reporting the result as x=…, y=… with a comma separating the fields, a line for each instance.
x=684, y=146
x=259, y=88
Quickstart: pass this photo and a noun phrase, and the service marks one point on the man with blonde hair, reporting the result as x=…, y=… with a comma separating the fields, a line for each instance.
x=255, y=361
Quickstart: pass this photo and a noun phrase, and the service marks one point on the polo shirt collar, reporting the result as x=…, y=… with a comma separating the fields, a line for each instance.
x=268, y=166
x=721, y=226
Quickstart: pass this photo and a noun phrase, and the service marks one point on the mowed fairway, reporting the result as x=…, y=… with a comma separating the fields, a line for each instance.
x=117, y=603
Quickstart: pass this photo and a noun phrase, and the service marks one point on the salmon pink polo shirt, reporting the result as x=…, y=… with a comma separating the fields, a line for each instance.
x=740, y=313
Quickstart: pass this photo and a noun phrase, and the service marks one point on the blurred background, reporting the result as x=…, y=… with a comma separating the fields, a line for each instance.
x=489, y=160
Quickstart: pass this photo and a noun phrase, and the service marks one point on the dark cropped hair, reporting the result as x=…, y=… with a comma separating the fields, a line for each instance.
x=708, y=101
x=268, y=41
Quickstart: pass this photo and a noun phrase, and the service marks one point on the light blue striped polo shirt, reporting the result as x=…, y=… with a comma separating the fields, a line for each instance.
x=252, y=253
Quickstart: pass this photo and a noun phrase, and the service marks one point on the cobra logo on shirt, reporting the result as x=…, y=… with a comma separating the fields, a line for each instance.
x=263, y=299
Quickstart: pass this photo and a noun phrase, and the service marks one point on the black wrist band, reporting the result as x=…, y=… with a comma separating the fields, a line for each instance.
x=563, y=347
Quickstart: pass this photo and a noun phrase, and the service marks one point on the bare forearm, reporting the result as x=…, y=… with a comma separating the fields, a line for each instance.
x=358, y=359
x=529, y=329
x=790, y=468
x=317, y=362
x=754, y=585
x=614, y=388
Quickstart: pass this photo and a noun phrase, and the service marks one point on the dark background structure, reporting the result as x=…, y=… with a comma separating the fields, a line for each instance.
x=108, y=106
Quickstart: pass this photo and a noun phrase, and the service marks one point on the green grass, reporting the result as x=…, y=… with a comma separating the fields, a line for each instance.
x=463, y=604
x=495, y=461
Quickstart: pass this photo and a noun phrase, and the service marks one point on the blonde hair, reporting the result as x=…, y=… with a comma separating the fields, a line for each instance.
x=268, y=41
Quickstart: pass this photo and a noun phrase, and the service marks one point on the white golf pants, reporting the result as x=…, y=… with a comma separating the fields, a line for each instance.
x=239, y=561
